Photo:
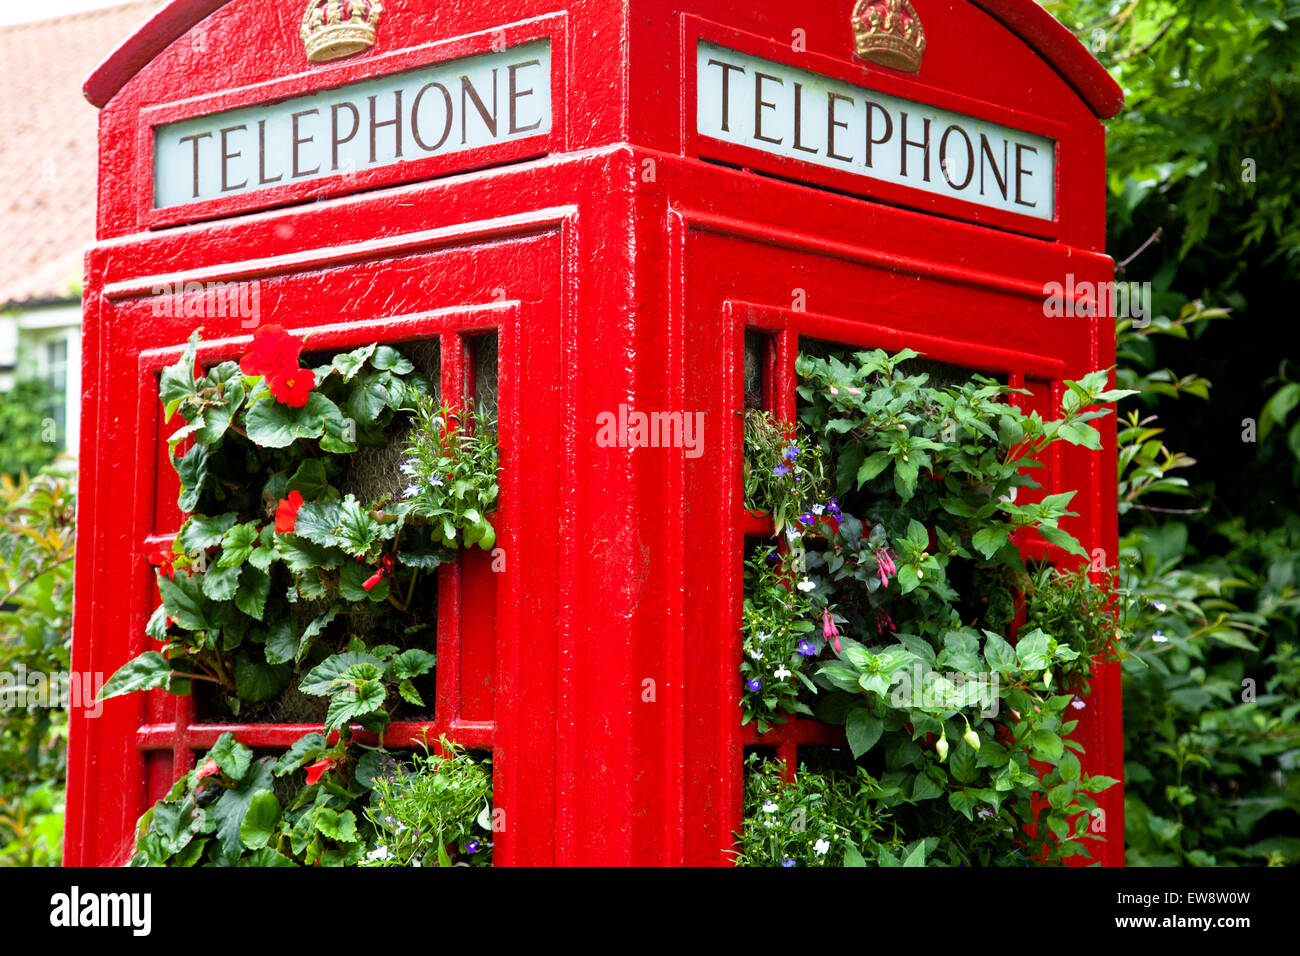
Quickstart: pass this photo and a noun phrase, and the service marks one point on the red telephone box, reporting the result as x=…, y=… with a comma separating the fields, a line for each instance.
x=621, y=194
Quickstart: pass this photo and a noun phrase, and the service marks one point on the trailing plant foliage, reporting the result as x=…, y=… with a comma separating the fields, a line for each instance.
x=820, y=819
x=287, y=579
x=438, y=812
x=783, y=469
x=1080, y=615
x=778, y=641
x=315, y=805
x=451, y=459
x=280, y=564
x=37, y=541
x=962, y=726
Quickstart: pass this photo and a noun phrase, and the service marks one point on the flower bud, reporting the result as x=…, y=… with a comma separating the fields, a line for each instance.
x=1047, y=677
x=941, y=748
x=972, y=738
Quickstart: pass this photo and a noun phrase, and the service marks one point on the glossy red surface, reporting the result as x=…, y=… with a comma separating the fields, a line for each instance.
x=617, y=267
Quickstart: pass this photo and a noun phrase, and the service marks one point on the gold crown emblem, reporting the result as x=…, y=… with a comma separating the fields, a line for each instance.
x=889, y=32
x=336, y=28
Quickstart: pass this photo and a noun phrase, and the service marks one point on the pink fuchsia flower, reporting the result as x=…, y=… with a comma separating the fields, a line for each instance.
x=883, y=620
x=829, y=630
x=885, y=566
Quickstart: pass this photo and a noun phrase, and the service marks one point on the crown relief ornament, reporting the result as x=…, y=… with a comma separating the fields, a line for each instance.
x=332, y=29
x=889, y=32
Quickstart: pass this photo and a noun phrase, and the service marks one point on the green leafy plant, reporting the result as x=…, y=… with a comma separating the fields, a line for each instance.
x=818, y=819
x=282, y=568
x=27, y=439
x=37, y=543
x=438, y=812
x=274, y=552
x=318, y=805
x=359, y=682
x=783, y=470
x=1080, y=615
x=1210, y=693
x=295, y=574
x=236, y=809
x=778, y=639
x=957, y=717
x=452, y=463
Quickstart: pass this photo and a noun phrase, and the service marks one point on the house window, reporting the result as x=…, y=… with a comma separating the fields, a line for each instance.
x=56, y=382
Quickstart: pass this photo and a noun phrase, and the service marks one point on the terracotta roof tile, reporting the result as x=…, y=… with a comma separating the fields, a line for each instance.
x=47, y=152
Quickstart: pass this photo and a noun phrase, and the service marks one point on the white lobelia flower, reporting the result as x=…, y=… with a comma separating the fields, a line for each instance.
x=769, y=807
x=782, y=673
x=806, y=585
x=822, y=847
x=378, y=853
x=408, y=468
x=756, y=654
x=411, y=491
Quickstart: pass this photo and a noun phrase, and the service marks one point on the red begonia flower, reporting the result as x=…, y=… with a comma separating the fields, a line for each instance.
x=317, y=770
x=163, y=560
x=273, y=351
x=385, y=567
x=286, y=515
x=292, y=386
x=209, y=768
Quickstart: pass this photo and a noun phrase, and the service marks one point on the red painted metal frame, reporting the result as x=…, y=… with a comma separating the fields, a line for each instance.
x=600, y=664
x=961, y=316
